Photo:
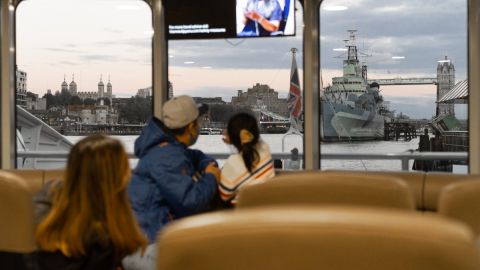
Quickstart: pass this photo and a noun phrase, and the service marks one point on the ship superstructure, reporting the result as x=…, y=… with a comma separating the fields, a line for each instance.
x=350, y=106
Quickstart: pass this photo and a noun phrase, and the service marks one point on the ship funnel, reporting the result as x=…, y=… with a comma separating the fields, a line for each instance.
x=364, y=72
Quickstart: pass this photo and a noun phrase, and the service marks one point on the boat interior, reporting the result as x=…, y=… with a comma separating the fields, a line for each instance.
x=303, y=219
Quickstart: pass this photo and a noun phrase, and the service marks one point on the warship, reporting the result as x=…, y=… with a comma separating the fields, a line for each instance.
x=351, y=109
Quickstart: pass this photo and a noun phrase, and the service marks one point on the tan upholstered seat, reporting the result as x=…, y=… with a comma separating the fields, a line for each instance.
x=414, y=180
x=329, y=188
x=434, y=184
x=461, y=201
x=33, y=178
x=316, y=238
x=16, y=214
x=50, y=175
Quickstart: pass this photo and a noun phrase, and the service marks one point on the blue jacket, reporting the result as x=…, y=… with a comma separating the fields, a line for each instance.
x=168, y=182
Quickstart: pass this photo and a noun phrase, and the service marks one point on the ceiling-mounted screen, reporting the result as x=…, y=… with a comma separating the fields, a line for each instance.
x=197, y=19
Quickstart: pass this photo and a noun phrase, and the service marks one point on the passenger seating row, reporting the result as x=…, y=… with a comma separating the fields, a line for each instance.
x=308, y=238
x=332, y=235
x=35, y=179
x=306, y=220
x=426, y=187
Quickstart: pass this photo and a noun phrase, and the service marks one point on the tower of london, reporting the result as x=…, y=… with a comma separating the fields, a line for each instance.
x=100, y=93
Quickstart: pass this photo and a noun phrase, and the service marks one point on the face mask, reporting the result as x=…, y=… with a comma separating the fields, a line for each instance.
x=193, y=137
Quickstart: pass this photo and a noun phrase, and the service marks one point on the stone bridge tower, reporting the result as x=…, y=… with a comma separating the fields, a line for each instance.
x=445, y=82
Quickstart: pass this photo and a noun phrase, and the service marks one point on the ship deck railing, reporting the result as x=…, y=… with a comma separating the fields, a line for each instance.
x=404, y=157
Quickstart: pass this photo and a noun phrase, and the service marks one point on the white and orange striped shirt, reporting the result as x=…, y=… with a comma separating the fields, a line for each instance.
x=235, y=175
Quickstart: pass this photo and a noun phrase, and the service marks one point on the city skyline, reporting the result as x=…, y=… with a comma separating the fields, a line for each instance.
x=94, y=37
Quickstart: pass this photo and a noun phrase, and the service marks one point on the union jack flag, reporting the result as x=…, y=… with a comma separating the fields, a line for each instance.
x=294, y=101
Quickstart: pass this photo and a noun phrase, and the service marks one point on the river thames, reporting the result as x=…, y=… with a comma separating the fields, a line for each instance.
x=214, y=144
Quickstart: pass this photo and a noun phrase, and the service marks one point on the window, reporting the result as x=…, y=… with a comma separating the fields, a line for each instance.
x=83, y=67
x=410, y=62
x=241, y=74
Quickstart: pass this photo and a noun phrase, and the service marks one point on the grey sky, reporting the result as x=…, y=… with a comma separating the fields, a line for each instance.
x=93, y=37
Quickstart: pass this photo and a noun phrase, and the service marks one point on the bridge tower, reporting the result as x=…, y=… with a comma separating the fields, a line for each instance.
x=445, y=82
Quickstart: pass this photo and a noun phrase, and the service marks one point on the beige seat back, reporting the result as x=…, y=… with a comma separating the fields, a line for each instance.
x=33, y=178
x=16, y=215
x=414, y=180
x=50, y=175
x=316, y=238
x=461, y=201
x=329, y=188
x=435, y=182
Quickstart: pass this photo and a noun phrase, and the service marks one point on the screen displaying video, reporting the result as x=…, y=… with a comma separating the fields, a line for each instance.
x=197, y=19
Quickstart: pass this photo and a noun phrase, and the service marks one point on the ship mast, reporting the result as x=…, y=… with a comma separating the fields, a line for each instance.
x=352, y=48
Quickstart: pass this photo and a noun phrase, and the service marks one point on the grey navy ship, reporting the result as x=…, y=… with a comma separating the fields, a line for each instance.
x=351, y=109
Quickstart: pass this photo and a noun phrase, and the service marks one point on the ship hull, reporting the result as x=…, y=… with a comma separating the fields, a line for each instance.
x=341, y=122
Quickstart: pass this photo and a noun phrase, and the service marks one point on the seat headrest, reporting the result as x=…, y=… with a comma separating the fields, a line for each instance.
x=334, y=238
x=461, y=201
x=16, y=214
x=329, y=188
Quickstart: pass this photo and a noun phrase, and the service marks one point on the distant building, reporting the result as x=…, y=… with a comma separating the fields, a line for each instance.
x=209, y=100
x=144, y=92
x=446, y=81
x=100, y=93
x=21, y=88
x=170, y=90
x=263, y=93
x=35, y=103
x=93, y=114
x=147, y=92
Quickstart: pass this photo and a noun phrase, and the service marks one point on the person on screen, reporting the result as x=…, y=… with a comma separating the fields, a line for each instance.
x=261, y=18
x=252, y=164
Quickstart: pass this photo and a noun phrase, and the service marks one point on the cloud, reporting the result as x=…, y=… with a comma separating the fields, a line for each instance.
x=99, y=57
x=255, y=53
x=69, y=63
x=142, y=43
x=62, y=50
x=422, y=31
x=113, y=30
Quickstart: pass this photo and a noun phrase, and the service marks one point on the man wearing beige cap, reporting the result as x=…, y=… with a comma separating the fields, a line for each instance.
x=171, y=180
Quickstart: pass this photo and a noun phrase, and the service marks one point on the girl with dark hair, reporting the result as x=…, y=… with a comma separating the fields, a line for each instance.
x=252, y=164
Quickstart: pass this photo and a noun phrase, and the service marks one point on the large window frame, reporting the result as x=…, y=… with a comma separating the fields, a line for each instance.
x=311, y=51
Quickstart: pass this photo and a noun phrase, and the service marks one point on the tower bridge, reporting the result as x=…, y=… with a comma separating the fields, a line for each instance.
x=404, y=81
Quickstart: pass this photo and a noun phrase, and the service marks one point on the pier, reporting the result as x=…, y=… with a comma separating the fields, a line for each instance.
x=399, y=130
x=79, y=129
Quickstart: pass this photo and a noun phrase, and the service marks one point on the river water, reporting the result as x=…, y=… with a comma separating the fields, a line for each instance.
x=214, y=144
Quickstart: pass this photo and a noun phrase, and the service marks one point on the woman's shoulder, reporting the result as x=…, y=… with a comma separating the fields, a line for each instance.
x=233, y=167
x=263, y=148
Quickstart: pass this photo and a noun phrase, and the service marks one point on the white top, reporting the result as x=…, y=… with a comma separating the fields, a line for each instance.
x=235, y=174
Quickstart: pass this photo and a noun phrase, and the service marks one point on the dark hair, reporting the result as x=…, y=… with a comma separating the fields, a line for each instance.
x=246, y=121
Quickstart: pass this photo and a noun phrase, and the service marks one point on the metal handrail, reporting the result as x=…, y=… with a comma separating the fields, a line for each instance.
x=404, y=157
